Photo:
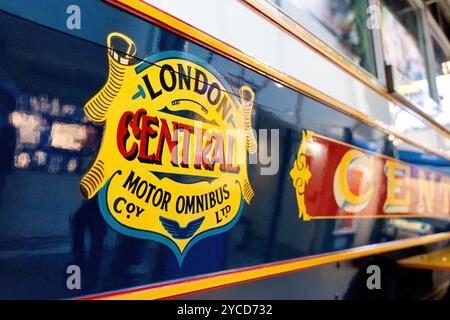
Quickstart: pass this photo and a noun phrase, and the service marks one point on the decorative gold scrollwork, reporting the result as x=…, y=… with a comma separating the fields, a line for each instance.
x=301, y=174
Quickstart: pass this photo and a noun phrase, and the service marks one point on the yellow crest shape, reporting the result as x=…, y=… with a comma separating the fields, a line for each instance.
x=171, y=166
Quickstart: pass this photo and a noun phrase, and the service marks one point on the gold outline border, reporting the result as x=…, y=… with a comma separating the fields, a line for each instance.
x=157, y=16
x=233, y=277
x=294, y=28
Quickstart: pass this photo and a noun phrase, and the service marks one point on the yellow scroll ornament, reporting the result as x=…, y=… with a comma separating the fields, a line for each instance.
x=300, y=174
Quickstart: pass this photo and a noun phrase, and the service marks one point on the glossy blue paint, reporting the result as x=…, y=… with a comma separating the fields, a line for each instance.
x=45, y=225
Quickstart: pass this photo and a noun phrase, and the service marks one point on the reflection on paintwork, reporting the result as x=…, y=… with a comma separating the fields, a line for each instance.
x=412, y=226
x=50, y=136
x=68, y=136
x=29, y=127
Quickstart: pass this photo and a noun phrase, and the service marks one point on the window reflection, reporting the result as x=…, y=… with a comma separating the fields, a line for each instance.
x=51, y=136
x=442, y=70
x=403, y=47
x=339, y=23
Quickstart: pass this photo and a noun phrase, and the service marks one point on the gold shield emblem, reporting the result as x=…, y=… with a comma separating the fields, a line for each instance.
x=172, y=166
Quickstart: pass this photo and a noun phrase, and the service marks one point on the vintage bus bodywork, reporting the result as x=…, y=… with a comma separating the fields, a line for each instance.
x=166, y=154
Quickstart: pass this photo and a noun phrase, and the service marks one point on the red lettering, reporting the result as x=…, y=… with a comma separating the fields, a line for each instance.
x=209, y=146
